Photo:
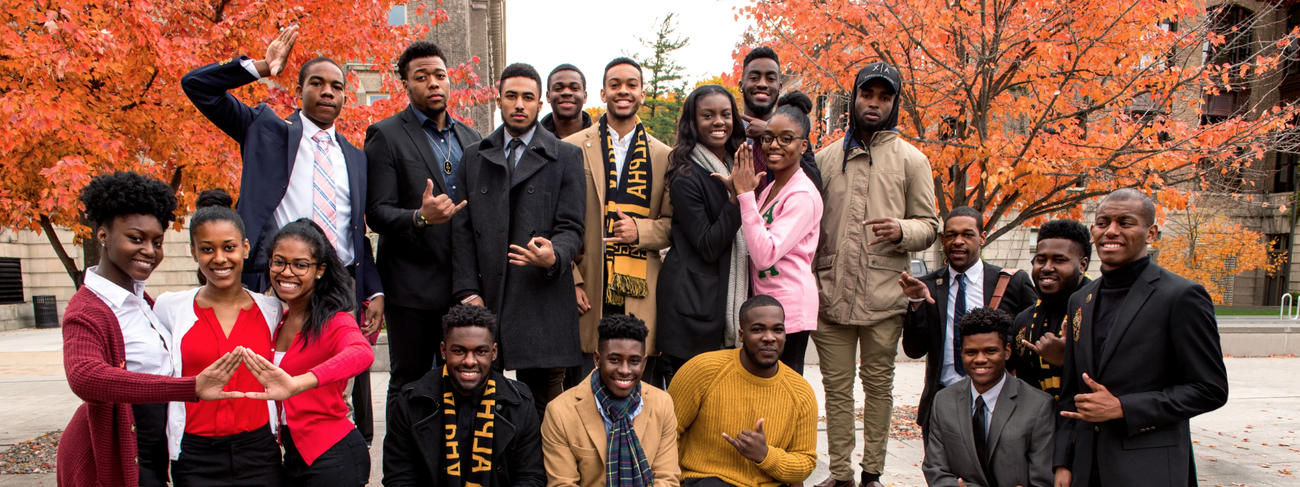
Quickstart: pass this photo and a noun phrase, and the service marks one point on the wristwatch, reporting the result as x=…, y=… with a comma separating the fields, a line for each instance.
x=420, y=222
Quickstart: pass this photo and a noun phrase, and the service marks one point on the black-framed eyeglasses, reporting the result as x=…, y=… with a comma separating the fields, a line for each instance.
x=297, y=267
x=781, y=140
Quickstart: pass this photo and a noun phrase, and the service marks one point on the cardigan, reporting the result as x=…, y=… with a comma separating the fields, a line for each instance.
x=318, y=418
x=98, y=448
x=782, y=241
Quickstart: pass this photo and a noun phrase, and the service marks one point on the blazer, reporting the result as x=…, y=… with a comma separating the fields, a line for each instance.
x=269, y=147
x=414, y=264
x=655, y=234
x=1019, y=438
x=923, y=329
x=543, y=196
x=574, y=440
x=1163, y=361
x=694, y=279
x=413, y=446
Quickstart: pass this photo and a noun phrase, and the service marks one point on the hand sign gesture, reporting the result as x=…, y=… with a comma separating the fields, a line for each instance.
x=539, y=253
x=279, y=384
x=438, y=209
x=751, y=444
x=624, y=230
x=743, y=178
x=277, y=53
x=1098, y=406
x=208, y=384
x=914, y=288
x=1050, y=347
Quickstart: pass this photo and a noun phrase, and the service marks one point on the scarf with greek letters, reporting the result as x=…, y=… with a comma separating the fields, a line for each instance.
x=625, y=265
x=478, y=461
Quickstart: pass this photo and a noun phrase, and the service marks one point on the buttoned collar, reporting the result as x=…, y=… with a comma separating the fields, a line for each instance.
x=974, y=275
x=113, y=294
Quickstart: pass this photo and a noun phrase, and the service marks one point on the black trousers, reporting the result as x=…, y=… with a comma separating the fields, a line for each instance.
x=151, y=441
x=796, y=346
x=413, y=338
x=346, y=464
x=251, y=459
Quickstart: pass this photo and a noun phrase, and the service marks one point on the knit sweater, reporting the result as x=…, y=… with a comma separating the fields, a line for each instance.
x=714, y=394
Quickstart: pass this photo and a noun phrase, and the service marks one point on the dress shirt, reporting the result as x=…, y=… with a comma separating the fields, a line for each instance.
x=974, y=299
x=148, y=349
x=990, y=401
x=526, y=138
x=609, y=424
x=445, y=145
x=298, y=196
x=621, y=146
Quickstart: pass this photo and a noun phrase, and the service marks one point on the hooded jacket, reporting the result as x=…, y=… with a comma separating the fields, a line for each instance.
x=884, y=177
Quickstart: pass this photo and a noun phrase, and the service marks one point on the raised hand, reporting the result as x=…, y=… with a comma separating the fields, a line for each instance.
x=1098, y=406
x=279, y=384
x=914, y=288
x=751, y=444
x=755, y=128
x=277, y=53
x=624, y=230
x=744, y=179
x=208, y=384
x=539, y=253
x=1050, y=347
x=438, y=209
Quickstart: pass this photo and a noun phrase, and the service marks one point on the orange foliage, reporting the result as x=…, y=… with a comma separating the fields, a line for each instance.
x=728, y=81
x=1208, y=248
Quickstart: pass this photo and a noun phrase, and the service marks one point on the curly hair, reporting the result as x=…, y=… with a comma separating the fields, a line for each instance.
x=417, y=50
x=622, y=326
x=109, y=196
x=986, y=320
x=214, y=205
x=463, y=315
x=1068, y=230
x=333, y=293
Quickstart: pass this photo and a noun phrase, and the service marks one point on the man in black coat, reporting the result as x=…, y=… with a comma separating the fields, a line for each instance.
x=939, y=299
x=1061, y=259
x=451, y=401
x=1141, y=359
x=413, y=159
x=514, y=244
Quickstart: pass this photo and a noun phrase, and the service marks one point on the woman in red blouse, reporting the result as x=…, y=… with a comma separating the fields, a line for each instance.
x=228, y=442
x=318, y=347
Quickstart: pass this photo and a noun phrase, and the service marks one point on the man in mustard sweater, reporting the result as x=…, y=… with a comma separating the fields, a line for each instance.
x=743, y=418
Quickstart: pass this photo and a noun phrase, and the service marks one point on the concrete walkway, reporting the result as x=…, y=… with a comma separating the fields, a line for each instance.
x=1252, y=441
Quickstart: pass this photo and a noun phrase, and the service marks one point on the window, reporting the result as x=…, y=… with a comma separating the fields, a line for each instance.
x=11, y=280
x=397, y=16
x=372, y=97
x=1236, y=26
x=1284, y=172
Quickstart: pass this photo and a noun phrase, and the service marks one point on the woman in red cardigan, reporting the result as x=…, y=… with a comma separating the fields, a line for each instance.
x=318, y=347
x=115, y=351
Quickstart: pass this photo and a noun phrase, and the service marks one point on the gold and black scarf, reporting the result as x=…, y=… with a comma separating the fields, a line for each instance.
x=480, y=454
x=625, y=265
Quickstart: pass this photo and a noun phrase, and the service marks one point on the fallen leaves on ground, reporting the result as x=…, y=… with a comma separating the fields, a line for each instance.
x=32, y=456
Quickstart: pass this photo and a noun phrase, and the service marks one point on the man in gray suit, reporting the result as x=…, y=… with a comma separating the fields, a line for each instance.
x=989, y=429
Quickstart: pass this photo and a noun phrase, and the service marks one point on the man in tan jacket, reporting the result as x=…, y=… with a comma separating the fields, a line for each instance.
x=879, y=195
x=628, y=218
x=613, y=414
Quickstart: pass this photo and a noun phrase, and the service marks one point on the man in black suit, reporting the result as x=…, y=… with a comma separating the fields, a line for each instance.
x=514, y=244
x=1141, y=359
x=1060, y=263
x=296, y=167
x=966, y=283
x=413, y=189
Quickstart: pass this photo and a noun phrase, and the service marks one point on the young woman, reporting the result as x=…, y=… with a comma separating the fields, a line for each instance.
x=229, y=442
x=781, y=226
x=116, y=353
x=705, y=277
x=318, y=347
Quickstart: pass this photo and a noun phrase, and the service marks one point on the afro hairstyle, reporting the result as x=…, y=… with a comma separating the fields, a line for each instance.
x=122, y=193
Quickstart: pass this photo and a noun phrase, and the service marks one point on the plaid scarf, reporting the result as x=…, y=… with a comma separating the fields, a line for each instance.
x=625, y=462
x=625, y=266
x=480, y=468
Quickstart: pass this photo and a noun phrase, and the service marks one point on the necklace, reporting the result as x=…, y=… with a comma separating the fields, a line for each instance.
x=446, y=158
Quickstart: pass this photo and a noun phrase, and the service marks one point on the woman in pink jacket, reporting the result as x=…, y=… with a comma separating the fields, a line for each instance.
x=781, y=224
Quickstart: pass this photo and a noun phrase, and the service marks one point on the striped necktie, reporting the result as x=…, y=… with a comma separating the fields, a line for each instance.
x=323, y=209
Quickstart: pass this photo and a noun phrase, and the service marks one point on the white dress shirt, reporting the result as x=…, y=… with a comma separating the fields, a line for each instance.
x=527, y=138
x=148, y=346
x=974, y=299
x=621, y=146
x=990, y=401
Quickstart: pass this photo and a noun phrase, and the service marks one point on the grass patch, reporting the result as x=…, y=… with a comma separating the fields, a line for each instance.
x=1230, y=311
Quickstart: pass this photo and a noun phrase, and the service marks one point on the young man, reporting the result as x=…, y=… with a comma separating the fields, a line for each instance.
x=989, y=428
x=297, y=167
x=1060, y=262
x=613, y=417
x=879, y=200
x=629, y=217
x=515, y=243
x=464, y=424
x=760, y=85
x=566, y=91
x=1142, y=357
x=744, y=419
x=939, y=299
x=412, y=195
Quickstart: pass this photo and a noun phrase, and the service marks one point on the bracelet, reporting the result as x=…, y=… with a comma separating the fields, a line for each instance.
x=420, y=221
x=469, y=298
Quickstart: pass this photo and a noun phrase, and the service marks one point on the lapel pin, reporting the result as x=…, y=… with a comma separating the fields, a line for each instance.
x=1087, y=299
x=939, y=281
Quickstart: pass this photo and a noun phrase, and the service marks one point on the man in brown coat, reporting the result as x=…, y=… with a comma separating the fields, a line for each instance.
x=629, y=217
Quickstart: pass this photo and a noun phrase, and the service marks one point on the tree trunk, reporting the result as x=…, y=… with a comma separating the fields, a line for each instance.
x=69, y=265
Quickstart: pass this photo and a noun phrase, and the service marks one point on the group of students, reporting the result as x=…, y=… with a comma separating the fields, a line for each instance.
x=703, y=270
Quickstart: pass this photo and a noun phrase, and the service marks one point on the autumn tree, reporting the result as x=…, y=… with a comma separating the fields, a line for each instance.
x=89, y=87
x=1027, y=108
x=728, y=81
x=1204, y=245
x=664, y=88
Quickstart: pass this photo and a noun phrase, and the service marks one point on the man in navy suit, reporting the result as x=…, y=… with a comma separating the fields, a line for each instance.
x=296, y=167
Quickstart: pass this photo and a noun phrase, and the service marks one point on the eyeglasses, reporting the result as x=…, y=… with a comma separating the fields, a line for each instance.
x=781, y=140
x=297, y=267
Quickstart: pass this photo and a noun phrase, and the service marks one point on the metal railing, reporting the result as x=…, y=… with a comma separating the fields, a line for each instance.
x=1288, y=308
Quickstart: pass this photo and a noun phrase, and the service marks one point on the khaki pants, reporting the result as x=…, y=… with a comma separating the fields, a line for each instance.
x=836, y=345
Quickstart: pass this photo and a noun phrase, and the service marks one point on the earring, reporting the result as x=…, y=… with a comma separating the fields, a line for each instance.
x=245, y=256
x=318, y=278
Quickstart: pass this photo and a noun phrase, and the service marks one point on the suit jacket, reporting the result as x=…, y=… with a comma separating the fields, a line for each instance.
x=574, y=440
x=655, y=234
x=415, y=264
x=543, y=196
x=269, y=145
x=1163, y=361
x=1019, y=438
x=923, y=329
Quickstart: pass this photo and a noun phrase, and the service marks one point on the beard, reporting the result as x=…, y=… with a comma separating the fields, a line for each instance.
x=759, y=111
x=758, y=359
x=865, y=126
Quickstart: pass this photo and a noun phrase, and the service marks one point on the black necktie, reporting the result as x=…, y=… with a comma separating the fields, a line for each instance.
x=959, y=310
x=977, y=427
x=512, y=152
